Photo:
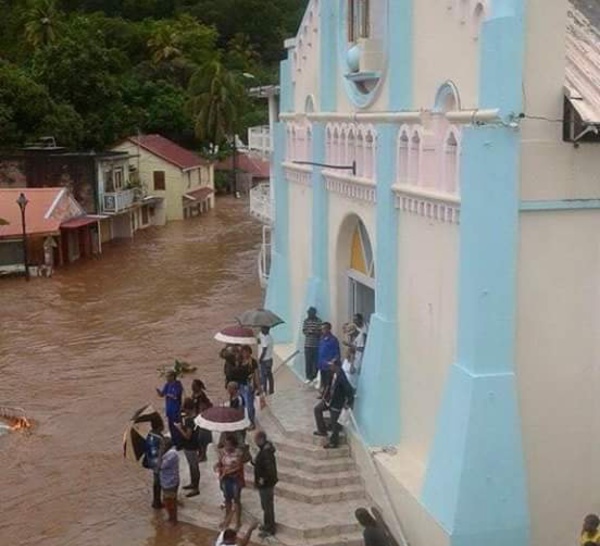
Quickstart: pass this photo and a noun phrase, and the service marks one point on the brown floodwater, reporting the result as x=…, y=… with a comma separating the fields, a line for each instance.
x=80, y=353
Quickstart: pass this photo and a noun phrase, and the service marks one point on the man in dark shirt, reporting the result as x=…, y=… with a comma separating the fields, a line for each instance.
x=311, y=328
x=336, y=397
x=373, y=534
x=265, y=479
x=189, y=444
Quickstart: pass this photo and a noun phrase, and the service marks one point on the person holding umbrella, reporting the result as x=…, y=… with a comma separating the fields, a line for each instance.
x=266, y=360
x=154, y=444
x=190, y=445
x=172, y=392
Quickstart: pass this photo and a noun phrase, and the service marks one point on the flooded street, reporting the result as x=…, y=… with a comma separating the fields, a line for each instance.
x=80, y=353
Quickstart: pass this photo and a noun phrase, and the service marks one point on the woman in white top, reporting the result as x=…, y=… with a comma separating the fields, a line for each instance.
x=350, y=367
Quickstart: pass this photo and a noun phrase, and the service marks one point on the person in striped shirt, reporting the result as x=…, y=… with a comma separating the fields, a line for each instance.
x=312, y=336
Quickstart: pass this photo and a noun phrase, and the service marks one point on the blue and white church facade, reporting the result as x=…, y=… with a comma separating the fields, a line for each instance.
x=436, y=167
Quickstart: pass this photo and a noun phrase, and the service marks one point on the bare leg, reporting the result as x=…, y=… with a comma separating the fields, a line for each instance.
x=228, y=514
x=238, y=515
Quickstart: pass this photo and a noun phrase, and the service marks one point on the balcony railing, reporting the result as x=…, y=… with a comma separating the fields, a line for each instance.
x=118, y=201
x=259, y=139
x=261, y=205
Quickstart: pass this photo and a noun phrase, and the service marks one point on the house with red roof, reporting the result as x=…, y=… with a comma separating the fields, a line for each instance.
x=180, y=177
x=57, y=229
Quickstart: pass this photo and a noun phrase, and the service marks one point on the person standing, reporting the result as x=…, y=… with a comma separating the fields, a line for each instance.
x=251, y=386
x=350, y=368
x=265, y=479
x=172, y=392
x=590, y=532
x=265, y=361
x=189, y=443
x=169, y=478
x=373, y=534
x=153, y=448
x=231, y=470
x=201, y=402
x=329, y=350
x=336, y=397
x=360, y=339
x=311, y=328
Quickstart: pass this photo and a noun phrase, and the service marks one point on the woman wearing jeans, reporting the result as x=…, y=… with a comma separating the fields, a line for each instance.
x=251, y=387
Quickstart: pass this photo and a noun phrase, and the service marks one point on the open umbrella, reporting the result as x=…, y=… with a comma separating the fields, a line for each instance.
x=223, y=419
x=236, y=335
x=257, y=318
x=134, y=438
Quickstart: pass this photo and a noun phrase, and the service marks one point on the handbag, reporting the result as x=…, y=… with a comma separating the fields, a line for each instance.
x=345, y=417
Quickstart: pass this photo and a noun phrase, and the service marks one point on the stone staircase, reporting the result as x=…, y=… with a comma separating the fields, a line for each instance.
x=318, y=491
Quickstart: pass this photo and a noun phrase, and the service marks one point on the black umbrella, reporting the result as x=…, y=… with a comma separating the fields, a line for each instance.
x=134, y=439
x=257, y=318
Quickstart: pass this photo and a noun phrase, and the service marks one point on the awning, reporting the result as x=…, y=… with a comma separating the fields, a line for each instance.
x=151, y=200
x=81, y=221
x=199, y=194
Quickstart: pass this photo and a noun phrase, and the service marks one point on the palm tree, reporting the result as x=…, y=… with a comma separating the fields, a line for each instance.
x=165, y=44
x=41, y=21
x=216, y=98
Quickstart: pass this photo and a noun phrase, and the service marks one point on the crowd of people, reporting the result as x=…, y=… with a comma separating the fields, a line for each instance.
x=336, y=379
x=245, y=379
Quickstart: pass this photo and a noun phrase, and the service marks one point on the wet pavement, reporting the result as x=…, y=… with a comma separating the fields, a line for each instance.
x=80, y=352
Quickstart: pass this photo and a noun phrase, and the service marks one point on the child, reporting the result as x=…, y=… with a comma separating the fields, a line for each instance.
x=349, y=367
x=169, y=478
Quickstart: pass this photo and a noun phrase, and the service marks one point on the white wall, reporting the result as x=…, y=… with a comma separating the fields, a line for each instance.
x=427, y=308
x=558, y=350
x=300, y=233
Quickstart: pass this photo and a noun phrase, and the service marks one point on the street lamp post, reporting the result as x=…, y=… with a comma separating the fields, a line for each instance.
x=22, y=202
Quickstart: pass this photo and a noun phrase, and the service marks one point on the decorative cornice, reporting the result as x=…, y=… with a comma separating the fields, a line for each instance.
x=351, y=187
x=297, y=174
x=437, y=206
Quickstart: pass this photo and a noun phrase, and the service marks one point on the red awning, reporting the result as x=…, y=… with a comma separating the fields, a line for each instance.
x=81, y=221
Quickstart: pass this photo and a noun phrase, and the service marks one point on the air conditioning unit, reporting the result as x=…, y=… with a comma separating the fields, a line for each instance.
x=371, y=55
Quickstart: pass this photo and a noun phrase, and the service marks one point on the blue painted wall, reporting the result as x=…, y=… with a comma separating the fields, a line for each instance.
x=400, y=55
x=378, y=402
x=278, y=297
x=475, y=484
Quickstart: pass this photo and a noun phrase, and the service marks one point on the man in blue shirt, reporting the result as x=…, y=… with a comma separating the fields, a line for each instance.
x=329, y=350
x=172, y=392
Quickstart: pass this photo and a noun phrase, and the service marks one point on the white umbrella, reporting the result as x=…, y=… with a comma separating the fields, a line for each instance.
x=236, y=335
x=223, y=419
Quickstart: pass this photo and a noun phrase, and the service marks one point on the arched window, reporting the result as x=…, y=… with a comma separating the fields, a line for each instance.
x=329, y=144
x=414, y=159
x=403, y=158
x=360, y=153
x=336, y=146
x=451, y=163
x=308, y=149
x=369, y=155
x=343, y=145
x=361, y=254
x=477, y=20
x=351, y=146
x=358, y=19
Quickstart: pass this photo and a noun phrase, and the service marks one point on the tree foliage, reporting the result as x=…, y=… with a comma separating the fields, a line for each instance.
x=89, y=72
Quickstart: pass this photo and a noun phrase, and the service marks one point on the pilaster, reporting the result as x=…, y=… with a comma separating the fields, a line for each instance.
x=378, y=404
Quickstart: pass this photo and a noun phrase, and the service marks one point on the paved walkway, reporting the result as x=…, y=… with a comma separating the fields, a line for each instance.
x=318, y=490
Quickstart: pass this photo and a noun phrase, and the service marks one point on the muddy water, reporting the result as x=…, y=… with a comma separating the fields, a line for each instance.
x=80, y=352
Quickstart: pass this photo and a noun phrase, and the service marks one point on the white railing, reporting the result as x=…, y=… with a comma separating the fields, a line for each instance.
x=118, y=201
x=261, y=205
x=264, y=257
x=259, y=139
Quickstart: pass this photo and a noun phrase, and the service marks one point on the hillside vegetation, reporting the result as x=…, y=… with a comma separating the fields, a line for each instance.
x=89, y=72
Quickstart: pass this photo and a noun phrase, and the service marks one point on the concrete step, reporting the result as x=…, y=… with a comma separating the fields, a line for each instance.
x=313, y=495
x=353, y=539
x=311, y=450
x=296, y=476
x=315, y=466
x=297, y=522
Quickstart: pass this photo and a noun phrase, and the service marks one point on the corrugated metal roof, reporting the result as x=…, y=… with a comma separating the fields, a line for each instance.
x=582, y=78
x=169, y=151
